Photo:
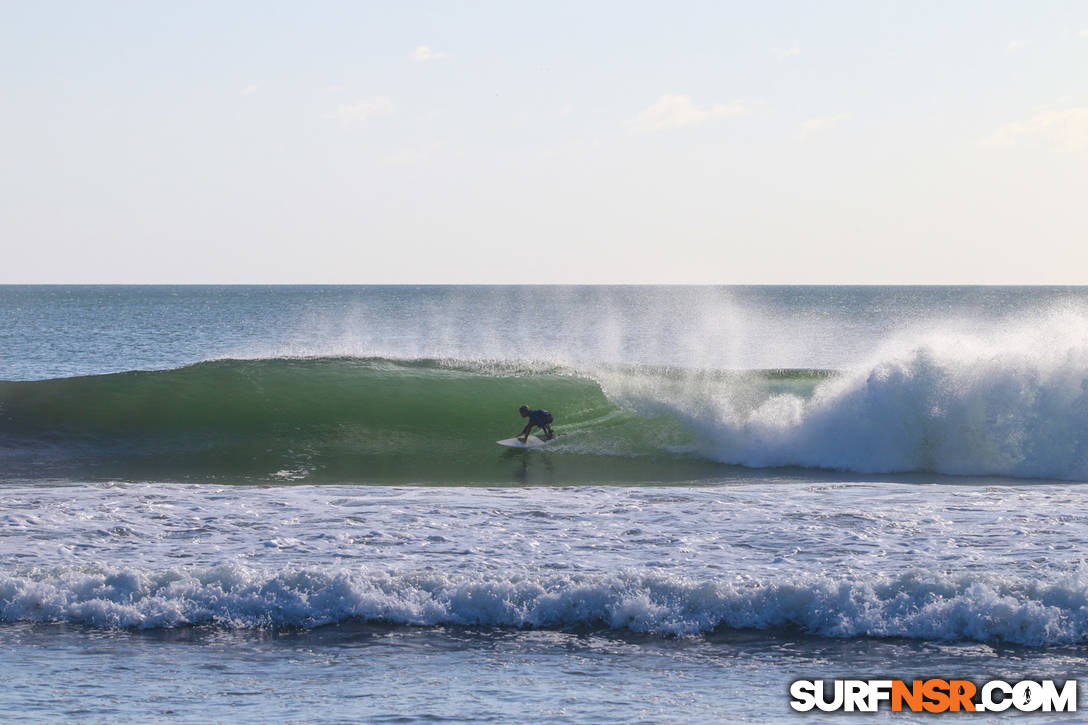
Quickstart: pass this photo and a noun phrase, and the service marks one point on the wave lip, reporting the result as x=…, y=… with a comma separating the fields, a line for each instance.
x=912, y=605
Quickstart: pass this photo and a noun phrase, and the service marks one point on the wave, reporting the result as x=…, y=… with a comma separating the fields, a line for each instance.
x=914, y=605
x=1013, y=404
x=339, y=420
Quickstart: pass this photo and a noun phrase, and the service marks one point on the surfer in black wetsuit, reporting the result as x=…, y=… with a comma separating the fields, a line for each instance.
x=540, y=418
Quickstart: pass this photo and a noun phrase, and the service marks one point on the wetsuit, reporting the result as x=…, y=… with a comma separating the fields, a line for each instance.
x=541, y=419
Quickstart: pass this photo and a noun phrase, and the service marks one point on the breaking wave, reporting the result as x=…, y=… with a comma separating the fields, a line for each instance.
x=960, y=404
x=913, y=605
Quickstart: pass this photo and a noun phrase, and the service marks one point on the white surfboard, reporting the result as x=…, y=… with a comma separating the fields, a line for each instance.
x=530, y=442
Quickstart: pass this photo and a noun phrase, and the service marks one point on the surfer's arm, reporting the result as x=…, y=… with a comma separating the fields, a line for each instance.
x=525, y=432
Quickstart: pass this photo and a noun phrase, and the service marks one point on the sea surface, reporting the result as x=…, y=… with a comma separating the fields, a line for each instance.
x=255, y=504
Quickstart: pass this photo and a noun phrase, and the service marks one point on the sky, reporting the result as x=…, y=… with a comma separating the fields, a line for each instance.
x=551, y=142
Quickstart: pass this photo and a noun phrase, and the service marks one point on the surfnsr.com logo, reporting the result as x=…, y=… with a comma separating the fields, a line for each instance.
x=933, y=695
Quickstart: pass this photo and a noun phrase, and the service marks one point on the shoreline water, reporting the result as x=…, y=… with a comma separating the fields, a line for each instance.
x=373, y=673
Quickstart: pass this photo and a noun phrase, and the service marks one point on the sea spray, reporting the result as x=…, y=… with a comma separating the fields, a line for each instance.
x=1013, y=403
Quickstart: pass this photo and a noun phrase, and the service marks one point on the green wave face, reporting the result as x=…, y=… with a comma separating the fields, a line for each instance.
x=338, y=420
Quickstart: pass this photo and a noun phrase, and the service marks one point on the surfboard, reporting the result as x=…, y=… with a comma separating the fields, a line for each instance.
x=530, y=442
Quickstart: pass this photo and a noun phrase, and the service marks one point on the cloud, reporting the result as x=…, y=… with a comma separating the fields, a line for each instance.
x=249, y=90
x=1065, y=130
x=422, y=54
x=1083, y=33
x=363, y=109
x=673, y=111
x=1017, y=44
x=822, y=123
x=785, y=52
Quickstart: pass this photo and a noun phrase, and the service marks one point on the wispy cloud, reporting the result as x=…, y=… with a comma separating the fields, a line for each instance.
x=678, y=111
x=822, y=123
x=363, y=109
x=781, y=53
x=424, y=53
x=249, y=90
x=1064, y=130
x=1017, y=45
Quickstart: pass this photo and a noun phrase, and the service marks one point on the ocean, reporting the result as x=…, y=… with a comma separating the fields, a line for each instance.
x=261, y=503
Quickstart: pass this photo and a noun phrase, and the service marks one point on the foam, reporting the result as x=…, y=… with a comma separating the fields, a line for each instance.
x=1010, y=402
x=914, y=605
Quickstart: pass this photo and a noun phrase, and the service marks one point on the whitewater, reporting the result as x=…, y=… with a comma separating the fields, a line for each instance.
x=290, y=496
x=697, y=560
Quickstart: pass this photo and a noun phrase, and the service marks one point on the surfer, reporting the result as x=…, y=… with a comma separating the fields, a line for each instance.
x=540, y=418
